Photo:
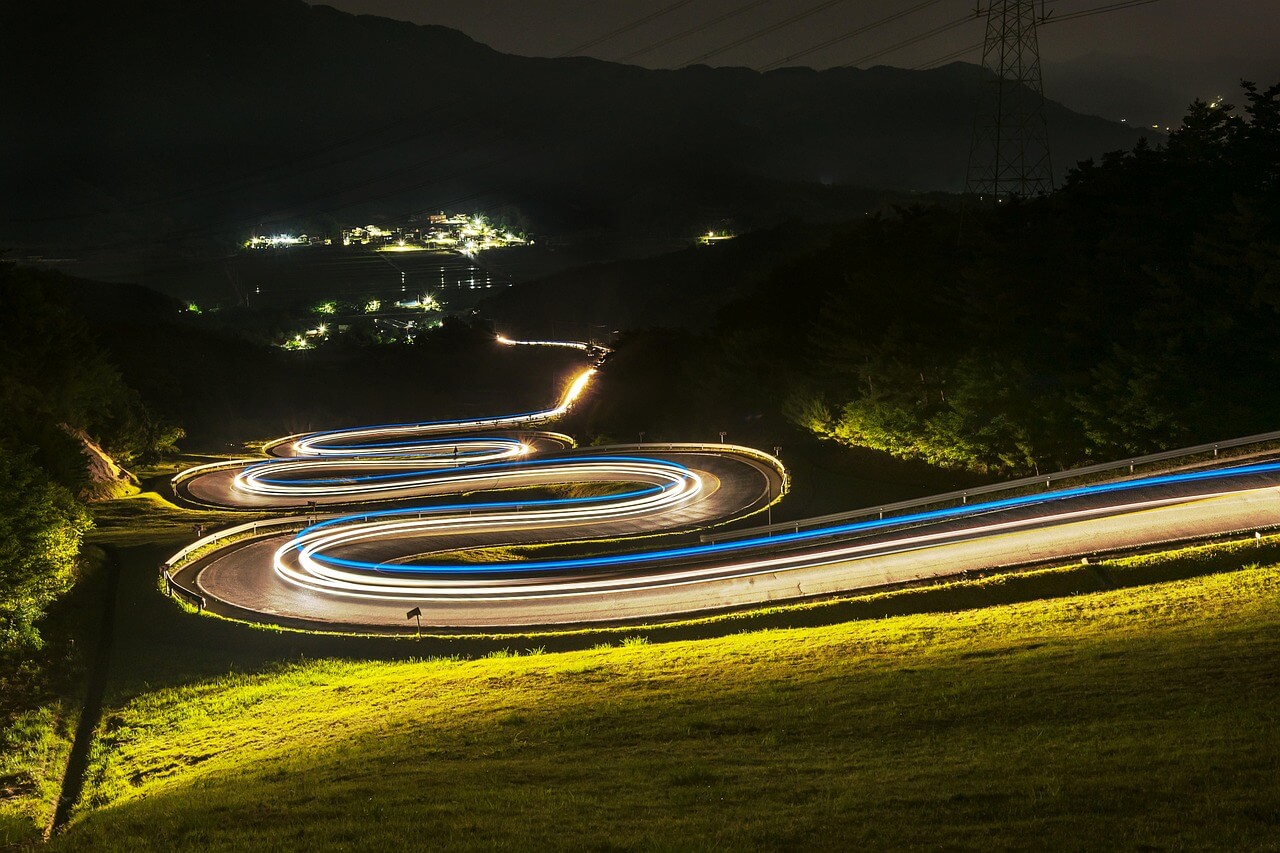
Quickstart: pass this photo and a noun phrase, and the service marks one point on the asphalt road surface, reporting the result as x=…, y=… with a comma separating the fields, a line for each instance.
x=397, y=508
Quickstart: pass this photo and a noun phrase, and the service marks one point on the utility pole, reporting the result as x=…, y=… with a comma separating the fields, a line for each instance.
x=1009, y=154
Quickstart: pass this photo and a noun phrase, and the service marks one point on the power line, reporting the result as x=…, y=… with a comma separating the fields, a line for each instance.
x=666, y=10
x=786, y=22
x=955, y=54
x=1097, y=10
x=936, y=31
x=1045, y=21
x=851, y=34
x=697, y=29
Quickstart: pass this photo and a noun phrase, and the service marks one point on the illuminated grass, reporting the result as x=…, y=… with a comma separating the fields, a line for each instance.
x=33, y=752
x=40, y=702
x=1131, y=717
x=147, y=517
x=473, y=555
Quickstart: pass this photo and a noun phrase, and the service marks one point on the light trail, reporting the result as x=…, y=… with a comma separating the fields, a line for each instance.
x=578, y=345
x=321, y=578
x=362, y=441
x=440, y=458
x=306, y=559
x=286, y=477
x=390, y=556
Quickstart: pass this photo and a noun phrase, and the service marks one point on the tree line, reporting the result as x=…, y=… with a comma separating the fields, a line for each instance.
x=54, y=379
x=1134, y=309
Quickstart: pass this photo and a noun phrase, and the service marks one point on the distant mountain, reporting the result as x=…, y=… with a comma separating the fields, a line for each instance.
x=1148, y=90
x=149, y=119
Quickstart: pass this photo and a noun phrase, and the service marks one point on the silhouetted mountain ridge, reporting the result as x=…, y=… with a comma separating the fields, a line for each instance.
x=148, y=117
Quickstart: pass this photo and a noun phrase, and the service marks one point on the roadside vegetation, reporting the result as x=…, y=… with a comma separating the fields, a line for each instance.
x=1128, y=717
x=55, y=384
x=1135, y=309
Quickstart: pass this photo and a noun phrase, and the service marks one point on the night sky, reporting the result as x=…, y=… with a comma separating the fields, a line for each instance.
x=1150, y=60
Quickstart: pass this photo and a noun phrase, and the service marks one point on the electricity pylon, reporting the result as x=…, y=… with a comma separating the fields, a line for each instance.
x=1009, y=155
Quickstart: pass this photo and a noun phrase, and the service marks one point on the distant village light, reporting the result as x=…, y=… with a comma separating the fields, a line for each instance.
x=468, y=234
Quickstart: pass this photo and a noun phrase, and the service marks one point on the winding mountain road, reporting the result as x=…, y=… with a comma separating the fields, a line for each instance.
x=396, y=512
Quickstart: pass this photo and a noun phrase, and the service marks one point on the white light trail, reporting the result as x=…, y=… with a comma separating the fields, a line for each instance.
x=365, y=440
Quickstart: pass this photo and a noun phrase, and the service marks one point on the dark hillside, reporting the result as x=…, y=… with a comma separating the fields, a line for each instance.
x=1135, y=309
x=148, y=120
x=681, y=290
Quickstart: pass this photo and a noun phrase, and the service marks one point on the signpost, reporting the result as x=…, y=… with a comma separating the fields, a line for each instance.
x=416, y=613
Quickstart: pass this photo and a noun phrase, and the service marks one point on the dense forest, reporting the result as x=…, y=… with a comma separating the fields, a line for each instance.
x=1136, y=308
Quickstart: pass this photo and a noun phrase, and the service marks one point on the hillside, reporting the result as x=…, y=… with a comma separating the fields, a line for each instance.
x=678, y=290
x=1140, y=717
x=1135, y=309
x=185, y=121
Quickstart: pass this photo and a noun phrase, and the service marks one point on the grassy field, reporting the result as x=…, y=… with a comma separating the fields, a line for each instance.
x=35, y=749
x=1139, y=716
x=40, y=702
x=148, y=517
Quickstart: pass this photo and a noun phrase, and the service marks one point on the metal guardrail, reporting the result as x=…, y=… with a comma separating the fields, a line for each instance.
x=173, y=588
x=706, y=447
x=963, y=495
x=558, y=436
x=188, y=473
x=251, y=528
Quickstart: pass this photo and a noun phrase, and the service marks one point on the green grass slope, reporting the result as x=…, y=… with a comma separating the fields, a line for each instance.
x=1133, y=717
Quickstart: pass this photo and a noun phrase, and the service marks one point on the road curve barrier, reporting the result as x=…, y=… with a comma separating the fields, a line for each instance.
x=1023, y=484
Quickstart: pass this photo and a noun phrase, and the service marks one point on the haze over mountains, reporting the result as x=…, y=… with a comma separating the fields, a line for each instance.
x=147, y=119
x=1149, y=89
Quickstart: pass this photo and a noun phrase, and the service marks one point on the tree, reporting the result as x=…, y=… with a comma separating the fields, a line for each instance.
x=41, y=528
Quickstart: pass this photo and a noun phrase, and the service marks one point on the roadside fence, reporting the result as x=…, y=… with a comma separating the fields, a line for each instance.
x=1045, y=481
